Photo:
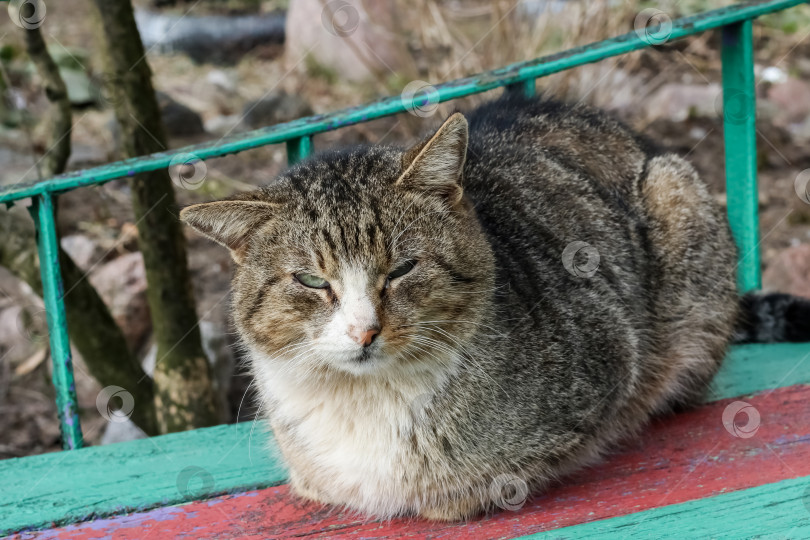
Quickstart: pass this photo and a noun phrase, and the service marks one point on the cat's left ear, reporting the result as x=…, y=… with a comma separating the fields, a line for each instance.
x=437, y=164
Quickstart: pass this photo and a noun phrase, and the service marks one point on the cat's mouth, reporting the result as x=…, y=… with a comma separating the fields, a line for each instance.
x=366, y=354
x=364, y=360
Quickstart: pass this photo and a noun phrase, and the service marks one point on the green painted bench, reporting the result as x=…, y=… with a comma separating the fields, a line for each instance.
x=701, y=473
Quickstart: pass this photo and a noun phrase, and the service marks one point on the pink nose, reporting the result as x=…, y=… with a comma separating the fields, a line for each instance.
x=363, y=337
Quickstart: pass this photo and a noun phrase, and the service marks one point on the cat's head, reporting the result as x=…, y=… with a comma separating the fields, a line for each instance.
x=358, y=260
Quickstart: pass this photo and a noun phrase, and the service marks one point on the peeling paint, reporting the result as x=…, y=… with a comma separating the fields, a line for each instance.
x=614, y=490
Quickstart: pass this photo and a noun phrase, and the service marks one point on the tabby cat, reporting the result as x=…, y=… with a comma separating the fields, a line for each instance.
x=436, y=331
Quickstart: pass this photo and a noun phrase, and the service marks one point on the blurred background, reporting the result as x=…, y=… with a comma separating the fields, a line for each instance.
x=221, y=67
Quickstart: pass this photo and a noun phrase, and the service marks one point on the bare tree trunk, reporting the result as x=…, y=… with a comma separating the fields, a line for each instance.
x=60, y=115
x=92, y=329
x=184, y=392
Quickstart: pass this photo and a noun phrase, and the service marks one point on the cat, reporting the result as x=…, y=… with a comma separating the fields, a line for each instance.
x=440, y=330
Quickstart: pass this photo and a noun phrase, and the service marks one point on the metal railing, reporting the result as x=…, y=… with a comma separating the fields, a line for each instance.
x=739, y=113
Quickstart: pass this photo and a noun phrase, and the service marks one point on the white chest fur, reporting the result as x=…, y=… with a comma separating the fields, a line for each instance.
x=350, y=437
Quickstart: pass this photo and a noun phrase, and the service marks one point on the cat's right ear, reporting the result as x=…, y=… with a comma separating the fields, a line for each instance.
x=230, y=223
x=437, y=164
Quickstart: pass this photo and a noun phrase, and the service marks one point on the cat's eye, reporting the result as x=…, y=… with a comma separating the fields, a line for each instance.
x=401, y=270
x=311, y=281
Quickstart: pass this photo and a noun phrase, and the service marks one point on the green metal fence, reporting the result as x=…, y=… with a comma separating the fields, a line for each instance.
x=739, y=103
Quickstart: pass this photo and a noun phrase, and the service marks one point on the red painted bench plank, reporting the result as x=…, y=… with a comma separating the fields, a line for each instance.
x=680, y=458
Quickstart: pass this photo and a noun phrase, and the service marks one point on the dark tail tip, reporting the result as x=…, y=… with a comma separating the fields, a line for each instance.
x=773, y=318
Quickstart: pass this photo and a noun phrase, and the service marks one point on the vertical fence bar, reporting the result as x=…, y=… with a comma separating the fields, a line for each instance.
x=739, y=124
x=53, y=293
x=527, y=88
x=298, y=149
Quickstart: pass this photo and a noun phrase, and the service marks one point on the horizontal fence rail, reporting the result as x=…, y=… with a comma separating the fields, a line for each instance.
x=738, y=119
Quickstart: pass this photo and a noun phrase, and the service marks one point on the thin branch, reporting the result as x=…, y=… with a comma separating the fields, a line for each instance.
x=60, y=115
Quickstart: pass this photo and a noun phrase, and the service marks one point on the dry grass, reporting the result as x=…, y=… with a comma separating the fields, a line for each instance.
x=459, y=39
x=441, y=41
x=436, y=41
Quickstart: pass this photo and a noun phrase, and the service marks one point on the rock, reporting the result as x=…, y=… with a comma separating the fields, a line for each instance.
x=23, y=325
x=149, y=360
x=81, y=90
x=801, y=130
x=773, y=74
x=225, y=124
x=23, y=331
x=116, y=432
x=17, y=166
x=10, y=116
x=353, y=38
x=698, y=133
x=677, y=102
x=69, y=57
x=82, y=249
x=179, y=120
x=221, y=80
x=275, y=108
x=789, y=272
x=803, y=66
x=209, y=38
x=122, y=285
x=768, y=110
x=792, y=99
x=87, y=155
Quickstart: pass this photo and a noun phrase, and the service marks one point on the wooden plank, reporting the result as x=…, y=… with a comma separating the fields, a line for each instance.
x=684, y=457
x=751, y=368
x=66, y=487
x=779, y=511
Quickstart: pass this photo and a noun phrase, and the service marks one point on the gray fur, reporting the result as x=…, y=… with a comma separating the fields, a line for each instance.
x=561, y=352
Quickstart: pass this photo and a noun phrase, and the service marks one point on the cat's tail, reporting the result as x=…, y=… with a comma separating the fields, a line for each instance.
x=772, y=318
